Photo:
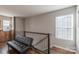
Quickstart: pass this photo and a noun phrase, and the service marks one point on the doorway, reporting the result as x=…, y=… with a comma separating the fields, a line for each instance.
x=6, y=32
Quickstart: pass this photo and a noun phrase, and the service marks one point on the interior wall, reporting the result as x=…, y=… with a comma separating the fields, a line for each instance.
x=46, y=23
x=77, y=28
x=65, y=43
x=19, y=25
x=27, y=24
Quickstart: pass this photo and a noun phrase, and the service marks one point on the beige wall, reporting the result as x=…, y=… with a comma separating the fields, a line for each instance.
x=19, y=25
x=46, y=23
x=27, y=24
x=38, y=24
x=77, y=32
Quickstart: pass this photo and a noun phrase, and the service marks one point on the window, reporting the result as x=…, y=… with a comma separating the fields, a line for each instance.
x=64, y=27
x=6, y=25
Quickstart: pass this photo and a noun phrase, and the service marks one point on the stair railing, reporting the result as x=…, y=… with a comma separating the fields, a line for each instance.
x=43, y=44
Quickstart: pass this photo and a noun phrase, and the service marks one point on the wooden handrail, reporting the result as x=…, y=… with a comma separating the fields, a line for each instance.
x=36, y=32
x=14, y=27
x=48, y=43
x=48, y=35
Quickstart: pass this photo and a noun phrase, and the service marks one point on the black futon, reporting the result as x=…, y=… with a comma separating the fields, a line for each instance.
x=21, y=44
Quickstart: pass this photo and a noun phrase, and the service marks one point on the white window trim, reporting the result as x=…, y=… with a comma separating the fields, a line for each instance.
x=72, y=27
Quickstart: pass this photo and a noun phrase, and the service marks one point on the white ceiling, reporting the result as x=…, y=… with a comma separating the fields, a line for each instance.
x=28, y=10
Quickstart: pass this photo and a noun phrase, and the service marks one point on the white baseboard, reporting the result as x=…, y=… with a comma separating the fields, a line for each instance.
x=64, y=48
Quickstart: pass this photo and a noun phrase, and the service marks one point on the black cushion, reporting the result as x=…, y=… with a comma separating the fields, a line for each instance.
x=18, y=46
x=21, y=43
x=26, y=40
